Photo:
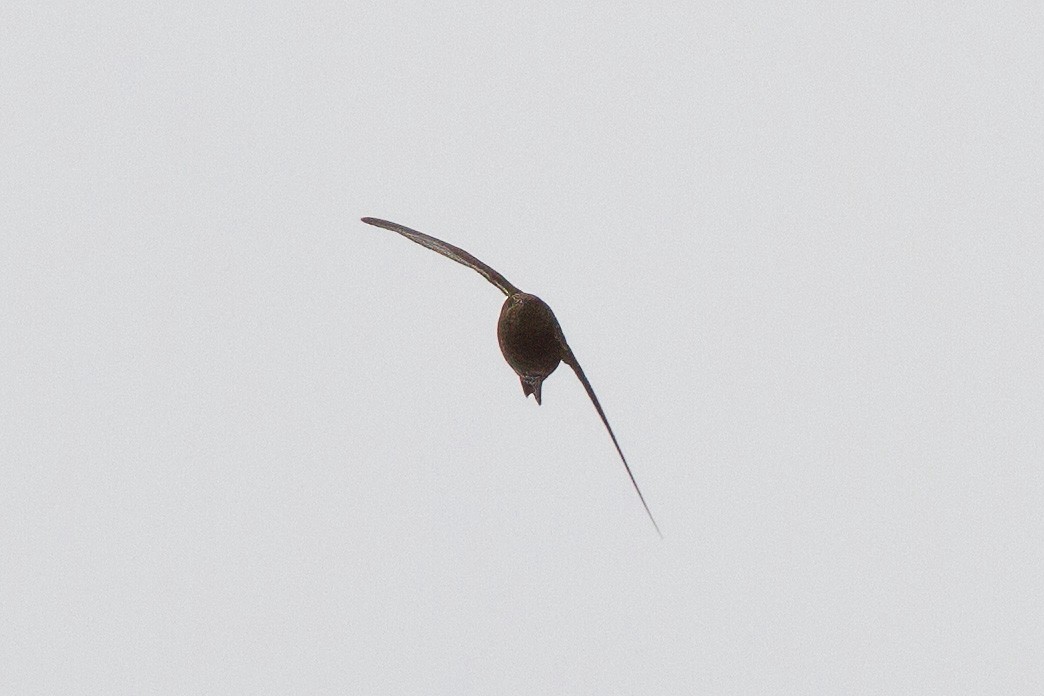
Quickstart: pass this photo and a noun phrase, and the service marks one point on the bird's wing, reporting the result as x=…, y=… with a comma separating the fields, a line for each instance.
x=449, y=251
x=569, y=359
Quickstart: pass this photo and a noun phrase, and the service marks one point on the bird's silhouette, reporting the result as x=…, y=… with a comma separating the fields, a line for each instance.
x=530, y=338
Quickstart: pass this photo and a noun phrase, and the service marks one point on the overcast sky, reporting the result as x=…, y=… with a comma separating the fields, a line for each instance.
x=249, y=444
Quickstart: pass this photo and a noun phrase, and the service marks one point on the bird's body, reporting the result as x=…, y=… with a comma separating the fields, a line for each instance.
x=530, y=339
x=528, y=332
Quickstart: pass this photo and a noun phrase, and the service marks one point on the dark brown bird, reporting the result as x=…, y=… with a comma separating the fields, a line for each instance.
x=530, y=337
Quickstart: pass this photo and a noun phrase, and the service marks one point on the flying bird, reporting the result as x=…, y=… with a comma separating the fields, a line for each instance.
x=528, y=332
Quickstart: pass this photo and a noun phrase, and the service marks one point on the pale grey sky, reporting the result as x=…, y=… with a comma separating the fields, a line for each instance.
x=249, y=444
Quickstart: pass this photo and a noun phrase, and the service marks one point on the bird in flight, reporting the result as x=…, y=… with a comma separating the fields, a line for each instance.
x=530, y=338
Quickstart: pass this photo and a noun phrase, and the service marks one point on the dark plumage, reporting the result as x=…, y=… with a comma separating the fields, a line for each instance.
x=530, y=338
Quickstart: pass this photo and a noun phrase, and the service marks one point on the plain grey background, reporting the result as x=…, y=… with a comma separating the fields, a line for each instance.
x=251, y=445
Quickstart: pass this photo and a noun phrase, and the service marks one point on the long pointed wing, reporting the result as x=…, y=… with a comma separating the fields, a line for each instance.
x=569, y=359
x=449, y=251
